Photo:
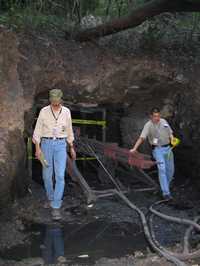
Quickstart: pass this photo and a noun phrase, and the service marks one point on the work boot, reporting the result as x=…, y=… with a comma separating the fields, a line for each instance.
x=56, y=214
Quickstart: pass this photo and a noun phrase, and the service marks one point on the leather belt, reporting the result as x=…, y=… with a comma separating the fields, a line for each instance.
x=52, y=138
x=154, y=146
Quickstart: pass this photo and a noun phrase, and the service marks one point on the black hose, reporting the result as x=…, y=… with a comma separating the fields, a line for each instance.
x=147, y=233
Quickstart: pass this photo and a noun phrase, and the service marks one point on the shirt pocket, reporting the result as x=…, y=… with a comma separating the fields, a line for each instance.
x=63, y=128
x=166, y=128
x=165, y=125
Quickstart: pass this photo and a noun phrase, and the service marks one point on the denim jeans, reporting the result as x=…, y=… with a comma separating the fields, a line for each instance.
x=165, y=159
x=55, y=152
x=54, y=245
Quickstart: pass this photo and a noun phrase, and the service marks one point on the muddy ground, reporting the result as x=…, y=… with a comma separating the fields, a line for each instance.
x=108, y=233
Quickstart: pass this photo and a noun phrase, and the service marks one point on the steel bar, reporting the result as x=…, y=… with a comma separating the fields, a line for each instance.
x=77, y=177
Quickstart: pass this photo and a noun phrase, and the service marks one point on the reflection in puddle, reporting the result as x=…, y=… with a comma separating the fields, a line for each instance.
x=74, y=243
x=53, y=249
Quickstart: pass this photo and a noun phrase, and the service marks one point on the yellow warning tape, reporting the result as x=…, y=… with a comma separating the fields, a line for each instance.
x=77, y=159
x=31, y=157
x=85, y=158
x=89, y=122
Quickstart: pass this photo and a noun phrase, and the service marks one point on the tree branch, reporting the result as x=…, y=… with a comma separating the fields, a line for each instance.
x=137, y=16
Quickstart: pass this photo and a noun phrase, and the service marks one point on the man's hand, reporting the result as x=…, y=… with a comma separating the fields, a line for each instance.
x=134, y=150
x=137, y=144
x=38, y=153
x=73, y=153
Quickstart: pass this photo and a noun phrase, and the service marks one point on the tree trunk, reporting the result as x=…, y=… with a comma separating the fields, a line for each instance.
x=138, y=16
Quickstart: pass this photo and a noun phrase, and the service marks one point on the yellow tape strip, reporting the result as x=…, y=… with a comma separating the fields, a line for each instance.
x=85, y=158
x=89, y=122
x=77, y=159
x=31, y=157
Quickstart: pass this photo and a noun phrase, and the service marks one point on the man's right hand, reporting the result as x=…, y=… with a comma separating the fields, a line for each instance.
x=38, y=153
x=133, y=150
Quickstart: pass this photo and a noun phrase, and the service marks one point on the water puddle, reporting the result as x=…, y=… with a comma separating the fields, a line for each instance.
x=84, y=243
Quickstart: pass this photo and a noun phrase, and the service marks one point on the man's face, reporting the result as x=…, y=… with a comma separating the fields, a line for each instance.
x=55, y=103
x=155, y=117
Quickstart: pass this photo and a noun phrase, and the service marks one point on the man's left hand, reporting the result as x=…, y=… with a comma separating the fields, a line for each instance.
x=73, y=153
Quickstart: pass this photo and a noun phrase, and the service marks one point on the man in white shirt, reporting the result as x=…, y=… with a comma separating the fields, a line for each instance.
x=160, y=135
x=52, y=135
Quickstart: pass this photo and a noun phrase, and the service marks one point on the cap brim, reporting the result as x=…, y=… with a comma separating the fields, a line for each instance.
x=55, y=99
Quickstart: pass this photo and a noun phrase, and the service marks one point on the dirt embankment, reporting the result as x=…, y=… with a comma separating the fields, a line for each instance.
x=88, y=73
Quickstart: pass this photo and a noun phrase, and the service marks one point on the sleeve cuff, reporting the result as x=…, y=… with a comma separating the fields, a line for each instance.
x=36, y=139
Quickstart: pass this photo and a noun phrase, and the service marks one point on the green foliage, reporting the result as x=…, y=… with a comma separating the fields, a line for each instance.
x=57, y=14
x=26, y=19
x=60, y=15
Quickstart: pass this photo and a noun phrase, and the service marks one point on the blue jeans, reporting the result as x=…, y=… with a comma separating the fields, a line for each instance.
x=54, y=245
x=55, y=152
x=165, y=159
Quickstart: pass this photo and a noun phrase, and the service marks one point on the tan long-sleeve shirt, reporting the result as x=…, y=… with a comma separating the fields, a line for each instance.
x=55, y=125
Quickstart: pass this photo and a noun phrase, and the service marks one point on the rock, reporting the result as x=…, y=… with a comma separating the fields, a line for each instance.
x=90, y=21
x=180, y=78
x=32, y=262
x=61, y=259
x=138, y=254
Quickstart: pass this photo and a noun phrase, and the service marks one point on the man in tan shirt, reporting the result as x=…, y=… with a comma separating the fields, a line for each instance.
x=52, y=135
x=159, y=134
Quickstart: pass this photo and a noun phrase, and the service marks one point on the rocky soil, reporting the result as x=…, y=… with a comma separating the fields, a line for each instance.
x=27, y=219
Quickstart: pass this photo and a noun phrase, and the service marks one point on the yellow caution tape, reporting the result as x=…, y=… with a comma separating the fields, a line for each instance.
x=89, y=122
x=77, y=159
x=31, y=158
x=85, y=158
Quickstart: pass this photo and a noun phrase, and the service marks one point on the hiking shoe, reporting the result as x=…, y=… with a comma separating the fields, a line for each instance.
x=56, y=214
